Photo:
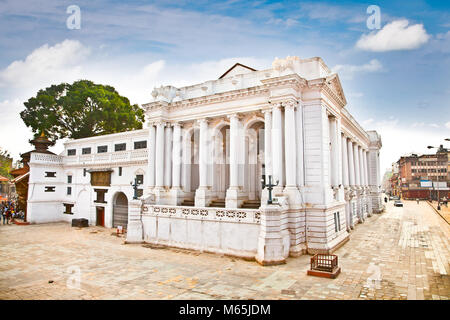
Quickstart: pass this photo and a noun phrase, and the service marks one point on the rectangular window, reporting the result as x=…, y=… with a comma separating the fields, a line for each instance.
x=49, y=189
x=69, y=191
x=140, y=144
x=68, y=208
x=86, y=151
x=69, y=179
x=120, y=171
x=337, y=222
x=100, y=195
x=50, y=174
x=120, y=147
x=71, y=152
x=102, y=149
x=140, y=179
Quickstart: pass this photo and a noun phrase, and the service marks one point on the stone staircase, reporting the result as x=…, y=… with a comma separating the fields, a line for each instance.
x=251, y=204
x=188, y=203
x=218, y=203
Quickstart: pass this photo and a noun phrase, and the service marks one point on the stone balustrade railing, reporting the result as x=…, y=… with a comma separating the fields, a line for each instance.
x=45, y=158
x=110, y=157
x=251, y=216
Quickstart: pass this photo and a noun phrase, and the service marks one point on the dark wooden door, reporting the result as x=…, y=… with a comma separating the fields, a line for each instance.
x=100, y=216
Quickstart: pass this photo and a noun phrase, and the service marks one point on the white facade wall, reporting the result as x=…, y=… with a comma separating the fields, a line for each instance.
x=49, y=206
x=312, y=137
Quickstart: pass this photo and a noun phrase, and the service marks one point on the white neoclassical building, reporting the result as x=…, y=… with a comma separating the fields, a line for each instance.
x=209, y=146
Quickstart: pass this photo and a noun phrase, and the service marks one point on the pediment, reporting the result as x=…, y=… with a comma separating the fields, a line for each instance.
x=335, y=84
x=238, y=68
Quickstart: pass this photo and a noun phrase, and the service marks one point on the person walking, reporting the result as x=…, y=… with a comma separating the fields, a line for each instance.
x=3, y=209
x=8, y=216
x=417, y=200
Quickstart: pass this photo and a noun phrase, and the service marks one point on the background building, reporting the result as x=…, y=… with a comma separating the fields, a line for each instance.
x=424, y=176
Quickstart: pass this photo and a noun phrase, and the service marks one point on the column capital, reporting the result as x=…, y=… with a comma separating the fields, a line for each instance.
x=264, y=111
x=202, y=120
x=160, y=123
x=291, y=104
x=234, y=116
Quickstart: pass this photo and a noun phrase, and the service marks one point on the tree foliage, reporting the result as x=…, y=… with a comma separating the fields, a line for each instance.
x=79, y=110
x=5, y=163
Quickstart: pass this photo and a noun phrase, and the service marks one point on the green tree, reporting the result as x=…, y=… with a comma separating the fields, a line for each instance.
x=5, y=163
x=79, y=110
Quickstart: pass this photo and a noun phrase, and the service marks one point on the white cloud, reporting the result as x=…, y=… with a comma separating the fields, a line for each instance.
x=397, y=35
x=70, y=60
x=347, y=71
x=367, y=122
x=46, y=65
x=447, y=124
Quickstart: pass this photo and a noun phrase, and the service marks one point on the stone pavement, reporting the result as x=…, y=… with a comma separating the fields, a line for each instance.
x=401, y=254
x=444, y=212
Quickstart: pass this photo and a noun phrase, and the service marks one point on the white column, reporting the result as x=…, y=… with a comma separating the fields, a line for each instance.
x=351, y=163
x=277, y=145
x=361, y=166
x=345, y=175
x=268, y=143
x=334, y=156
x=366, y=159
x=159, y=163
x=290, y=145
x=151, y=155
x=203, y=151
x=234, y=146
x=299, y=136
x=357, y=171
x=168, y=157
x=176, y=156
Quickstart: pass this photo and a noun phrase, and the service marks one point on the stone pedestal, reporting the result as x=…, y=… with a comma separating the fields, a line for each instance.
x=233, y=198
x=202, y=197
x=135, y=228
x=176, y=196
x=273, y=240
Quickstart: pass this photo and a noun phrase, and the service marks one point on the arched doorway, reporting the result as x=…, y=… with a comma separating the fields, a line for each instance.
x=120, y=210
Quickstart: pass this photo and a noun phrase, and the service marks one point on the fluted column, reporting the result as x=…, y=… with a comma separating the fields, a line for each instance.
x=268, y=143
x=151, y=155
x=168, y=157
x=366, y=168
x=176, y=156
x=299, y=140
x=351, y=163
x=334, y=156
x=203, y=151
x=234, y=149
x=290, y=145
x=159, y=162
x=361, y=166
x=277, y=145
x=345, y=175
x=357, y=170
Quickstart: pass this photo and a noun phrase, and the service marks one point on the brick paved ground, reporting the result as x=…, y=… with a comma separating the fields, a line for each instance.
x=408, y=248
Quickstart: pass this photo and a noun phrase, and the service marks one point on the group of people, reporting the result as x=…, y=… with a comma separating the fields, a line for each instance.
x=9, y=212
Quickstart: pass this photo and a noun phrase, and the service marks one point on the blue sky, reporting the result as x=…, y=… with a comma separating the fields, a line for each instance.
x=395, y=78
